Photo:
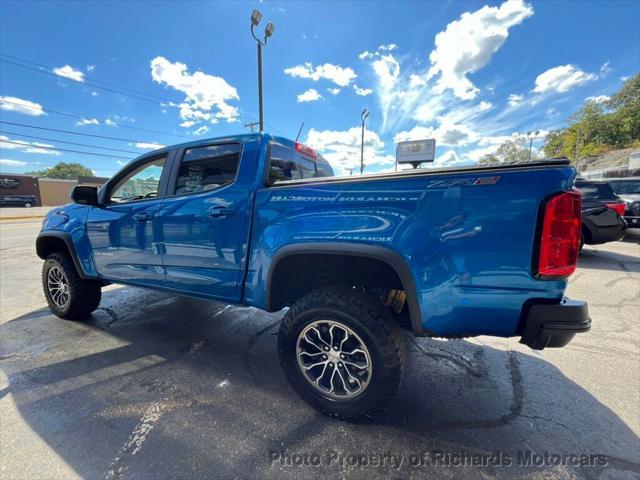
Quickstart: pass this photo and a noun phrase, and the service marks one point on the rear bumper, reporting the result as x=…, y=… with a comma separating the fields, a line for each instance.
x=553, y=326
x=632, y=222
x=607, y=234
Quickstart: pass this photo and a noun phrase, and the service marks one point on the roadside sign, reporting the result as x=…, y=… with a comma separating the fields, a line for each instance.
x=416, y=151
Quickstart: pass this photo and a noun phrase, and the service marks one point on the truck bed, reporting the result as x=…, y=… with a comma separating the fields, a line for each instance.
x=466, y=234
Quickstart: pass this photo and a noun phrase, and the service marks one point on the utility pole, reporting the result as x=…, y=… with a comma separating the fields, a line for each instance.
x=363, y=116
x=531, y=138
x=251, y=125
x=256, y=16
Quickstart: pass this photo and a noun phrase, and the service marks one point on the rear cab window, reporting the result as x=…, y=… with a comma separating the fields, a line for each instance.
x=626, y=186
x=596, y=191
x=285, y=163
x=207, y=168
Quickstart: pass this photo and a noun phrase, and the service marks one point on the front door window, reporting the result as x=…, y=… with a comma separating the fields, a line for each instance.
x=139, y=184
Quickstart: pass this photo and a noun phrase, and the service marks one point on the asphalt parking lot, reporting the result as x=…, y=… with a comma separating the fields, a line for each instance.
x=162, y=386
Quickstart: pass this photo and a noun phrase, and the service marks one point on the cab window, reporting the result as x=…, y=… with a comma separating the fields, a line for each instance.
x=207, y=168
x=287, y=164
x=139, y=184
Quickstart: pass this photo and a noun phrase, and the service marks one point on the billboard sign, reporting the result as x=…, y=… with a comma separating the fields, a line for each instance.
x=416, y=151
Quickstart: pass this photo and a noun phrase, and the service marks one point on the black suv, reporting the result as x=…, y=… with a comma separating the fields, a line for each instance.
x=18, y=201
x=628, y=189
x=602, y=212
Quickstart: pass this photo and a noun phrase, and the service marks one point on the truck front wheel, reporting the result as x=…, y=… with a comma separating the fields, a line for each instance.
x=69, y=296
x=341, y=352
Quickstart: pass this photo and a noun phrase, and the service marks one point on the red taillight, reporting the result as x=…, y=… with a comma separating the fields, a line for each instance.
x=560, y=237
x=618, y=207
x=310, y=152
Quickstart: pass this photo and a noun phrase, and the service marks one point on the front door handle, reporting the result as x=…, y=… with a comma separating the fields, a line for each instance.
x=142, y=217
x=220, y=211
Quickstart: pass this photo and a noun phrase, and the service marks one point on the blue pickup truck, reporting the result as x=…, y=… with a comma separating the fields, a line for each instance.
x=260, y=220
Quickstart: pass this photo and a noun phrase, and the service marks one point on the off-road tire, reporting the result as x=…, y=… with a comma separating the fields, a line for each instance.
x=369, y=319
x=84, y=295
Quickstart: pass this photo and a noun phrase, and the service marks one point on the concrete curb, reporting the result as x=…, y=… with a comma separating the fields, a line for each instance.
x=21, y=218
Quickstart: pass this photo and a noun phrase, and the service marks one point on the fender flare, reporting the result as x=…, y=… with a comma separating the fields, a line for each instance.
x=66, y=238
x=382, y=254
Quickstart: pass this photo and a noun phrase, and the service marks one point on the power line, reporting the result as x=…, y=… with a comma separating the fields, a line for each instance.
x=120, y=139
x=64, y=150
x=69, y=143
x=135, y=93
x=94, y=80
x=85, y=82
x=48, y=71
x=82, y=117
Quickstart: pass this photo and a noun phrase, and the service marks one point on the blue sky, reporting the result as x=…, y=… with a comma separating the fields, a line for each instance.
x=467, y=73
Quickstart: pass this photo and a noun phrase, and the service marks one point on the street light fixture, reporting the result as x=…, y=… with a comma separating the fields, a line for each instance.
x=363, y=116
x=256, y=16
x=531, y=136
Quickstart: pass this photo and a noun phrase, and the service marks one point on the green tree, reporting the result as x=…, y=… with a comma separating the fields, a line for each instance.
x=515, y=149
x=70, y=171
x=600, y=126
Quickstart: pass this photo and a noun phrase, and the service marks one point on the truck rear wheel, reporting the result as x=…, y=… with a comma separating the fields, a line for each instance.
x=68, y=296
x=341, y=352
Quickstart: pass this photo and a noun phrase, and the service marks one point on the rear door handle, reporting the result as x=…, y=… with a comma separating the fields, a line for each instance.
x=220, y=211
x=142, y=217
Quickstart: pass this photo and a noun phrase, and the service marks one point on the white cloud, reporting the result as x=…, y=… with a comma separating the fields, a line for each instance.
x=387, y=70
x=187, y=124
x=207, y=96
x=87, y=121
x=562, y=79
x=110, y=123
x=334, y=91
x=94, y=93
x=342, y=149
x=335, y=73
x=388, y=48
x=363, y=92
x=515, y=99
x=20, y=105
x=27, y=147
x=12, y=163
x=68, y=72
x=122, y=163
x=605, y=69
x=201, y=131
x=445, y=134
x=380, y=51
x=310, y=95
x=416, y=81
x=467, y=44
x=599, y=99
x=451, y=158
x=91, y=68
x=148, y=146
x=551, y=113
x=478, y=153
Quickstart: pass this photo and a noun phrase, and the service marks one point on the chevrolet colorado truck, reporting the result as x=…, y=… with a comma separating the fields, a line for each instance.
x=260, y=220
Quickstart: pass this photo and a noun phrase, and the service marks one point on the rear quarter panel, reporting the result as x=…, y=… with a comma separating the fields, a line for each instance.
x=467, y=238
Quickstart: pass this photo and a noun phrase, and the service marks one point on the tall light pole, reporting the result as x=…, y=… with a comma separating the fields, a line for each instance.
x=531, y=136
x=256, y=16
x=363, y=116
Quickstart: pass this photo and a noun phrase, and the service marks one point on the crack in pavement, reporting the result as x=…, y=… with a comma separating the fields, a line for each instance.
x=134, y=443
x=459, y=360
x=112, y=315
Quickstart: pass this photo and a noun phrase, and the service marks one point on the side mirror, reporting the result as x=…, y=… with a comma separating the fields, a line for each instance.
x=85, y=195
